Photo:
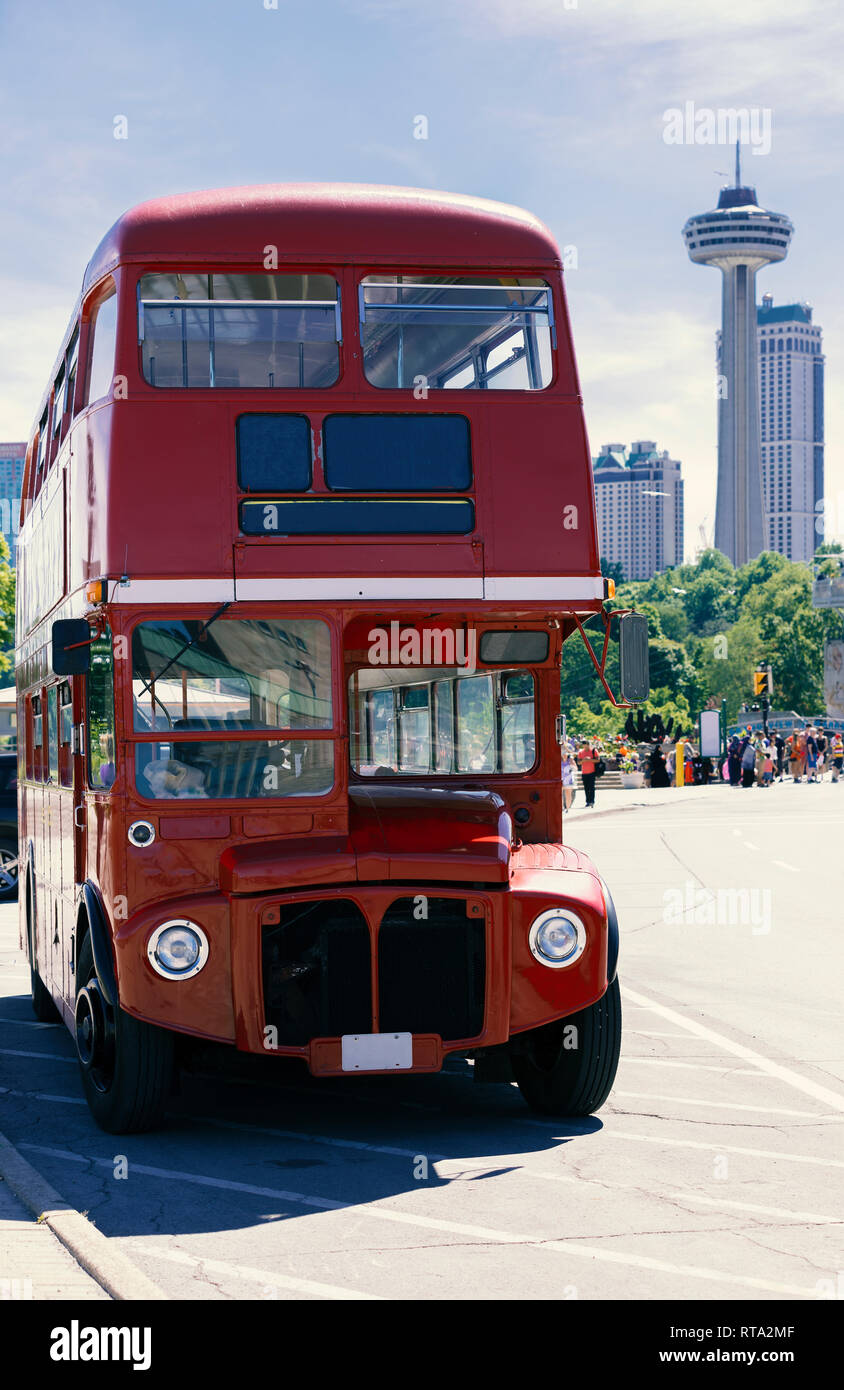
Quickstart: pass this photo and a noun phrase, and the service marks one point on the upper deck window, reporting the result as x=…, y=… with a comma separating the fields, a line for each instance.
x=456, y=332
x=239, y=331
x=104, y=330
x=58, y=401
x=42, y=451
x=72, y=360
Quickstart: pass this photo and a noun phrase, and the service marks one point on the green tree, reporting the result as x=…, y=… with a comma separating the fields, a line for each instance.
x=794, y=649
x=584, y=722
x=710, y=600
x=709, y=626
x=7, y=614
x=726, y=663
x=612, y=569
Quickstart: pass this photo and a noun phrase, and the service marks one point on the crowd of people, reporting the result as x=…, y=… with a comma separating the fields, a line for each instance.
x=753, y=759
x=590, y=756
x=756, y=760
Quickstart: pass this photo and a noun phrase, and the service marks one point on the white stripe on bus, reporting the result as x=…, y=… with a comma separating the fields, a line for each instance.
x=561, y=588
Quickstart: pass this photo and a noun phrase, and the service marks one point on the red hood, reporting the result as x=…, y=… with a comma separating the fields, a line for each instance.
x=402, y=832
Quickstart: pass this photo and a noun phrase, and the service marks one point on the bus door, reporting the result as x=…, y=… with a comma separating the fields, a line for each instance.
x=56, y=841
x=63, y=795
x=79, y=720
x=98, y=766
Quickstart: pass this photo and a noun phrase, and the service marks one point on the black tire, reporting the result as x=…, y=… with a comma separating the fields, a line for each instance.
x=556, y=1079
x=40, y=997
x=126, y=1065
x=8, y=869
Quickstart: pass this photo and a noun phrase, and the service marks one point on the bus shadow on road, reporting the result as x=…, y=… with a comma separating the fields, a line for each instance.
x=241, y=1149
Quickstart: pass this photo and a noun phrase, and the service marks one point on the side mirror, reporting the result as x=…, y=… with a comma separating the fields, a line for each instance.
x=71, y=647
x=561, y=728
x=633, y=662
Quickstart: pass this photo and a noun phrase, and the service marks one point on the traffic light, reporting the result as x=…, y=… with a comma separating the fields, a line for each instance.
x=763, y=683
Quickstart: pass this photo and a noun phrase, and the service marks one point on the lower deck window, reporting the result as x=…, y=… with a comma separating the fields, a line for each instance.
x=223, y=769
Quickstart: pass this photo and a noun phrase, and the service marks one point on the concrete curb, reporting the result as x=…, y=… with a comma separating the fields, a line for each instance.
x=88, y=1246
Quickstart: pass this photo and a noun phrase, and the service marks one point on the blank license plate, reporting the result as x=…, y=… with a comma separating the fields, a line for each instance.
x=377, y=1051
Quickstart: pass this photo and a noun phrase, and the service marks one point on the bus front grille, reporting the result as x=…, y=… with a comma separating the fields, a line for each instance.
x=316, y=972
x=431, y=969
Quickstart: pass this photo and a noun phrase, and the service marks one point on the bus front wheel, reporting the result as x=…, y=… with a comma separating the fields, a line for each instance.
x=126, y=1065
x=568, y=1067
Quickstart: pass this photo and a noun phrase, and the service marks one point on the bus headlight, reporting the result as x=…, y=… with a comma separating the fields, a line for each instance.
x=178, y=949
x=557, y=938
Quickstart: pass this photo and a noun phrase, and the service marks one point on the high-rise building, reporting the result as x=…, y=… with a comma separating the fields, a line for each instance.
x=639, y=501
x=791, y=368
x=11, y=476
x=738, y=237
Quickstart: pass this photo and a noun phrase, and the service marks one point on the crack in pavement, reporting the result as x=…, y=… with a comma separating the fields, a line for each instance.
x=691, y=1120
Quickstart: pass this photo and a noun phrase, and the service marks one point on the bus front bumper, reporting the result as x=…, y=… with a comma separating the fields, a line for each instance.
x=441, y=968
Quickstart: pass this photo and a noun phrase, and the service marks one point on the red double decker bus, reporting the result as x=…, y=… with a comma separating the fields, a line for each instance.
x=307, y=517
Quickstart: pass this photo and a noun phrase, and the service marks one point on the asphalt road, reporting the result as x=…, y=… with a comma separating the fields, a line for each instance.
x=714, y=1172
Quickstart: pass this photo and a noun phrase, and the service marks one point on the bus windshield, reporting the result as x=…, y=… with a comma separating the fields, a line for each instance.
x=233, y=675
x=434, y=722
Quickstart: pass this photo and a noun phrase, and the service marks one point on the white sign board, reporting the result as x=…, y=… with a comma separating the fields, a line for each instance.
x=833, y=678
x=710, y=733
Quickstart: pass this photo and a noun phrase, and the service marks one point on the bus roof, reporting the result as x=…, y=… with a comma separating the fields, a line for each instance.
x=324, y=222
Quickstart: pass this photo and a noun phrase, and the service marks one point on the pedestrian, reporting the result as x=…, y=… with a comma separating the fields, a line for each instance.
x=588, y=758
x=821, y=741
x=780, y=746
x=748, y=764
x=837, y=756
x=688, y=763
x=659, y=775
x=734, y=761
x=798, y=755
x=767, y=767
x=811, y=755
x=568, y=781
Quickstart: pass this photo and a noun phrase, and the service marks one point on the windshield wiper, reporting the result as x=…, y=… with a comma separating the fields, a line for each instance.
x=190, y=643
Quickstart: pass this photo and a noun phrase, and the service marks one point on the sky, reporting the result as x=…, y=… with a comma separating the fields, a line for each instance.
x=558, y=106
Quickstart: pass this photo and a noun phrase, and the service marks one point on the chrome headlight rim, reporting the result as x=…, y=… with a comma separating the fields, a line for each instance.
x=133, y=830
x=580, y=945
x=165, y=971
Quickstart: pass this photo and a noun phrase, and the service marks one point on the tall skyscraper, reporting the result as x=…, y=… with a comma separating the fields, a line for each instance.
x=791, y=370
x=11, y=475
x=639, y=502
x=738, y=237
